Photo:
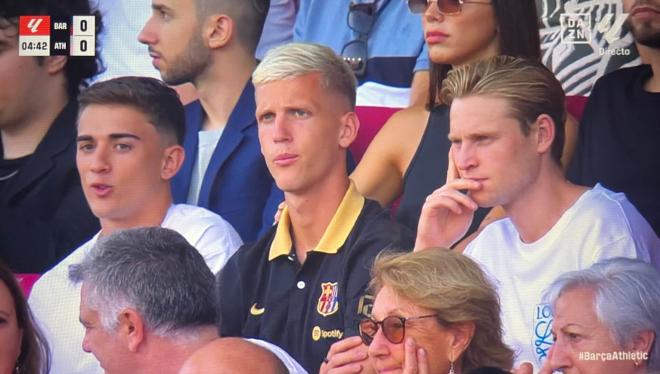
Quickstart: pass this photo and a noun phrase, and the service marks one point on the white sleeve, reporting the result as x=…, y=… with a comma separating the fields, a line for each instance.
x=217, y=243
x=292, y=365
x=623, y=247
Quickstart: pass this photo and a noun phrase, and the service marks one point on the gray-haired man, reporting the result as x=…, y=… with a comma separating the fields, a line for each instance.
x=148, y=302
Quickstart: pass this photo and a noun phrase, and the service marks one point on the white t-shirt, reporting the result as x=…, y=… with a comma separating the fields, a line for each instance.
x=207, y=141
x=600, y=224
x=55, y=301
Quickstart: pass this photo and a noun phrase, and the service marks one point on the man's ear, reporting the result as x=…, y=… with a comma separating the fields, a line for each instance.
x=55, y=64
x=461, y=336
x=350, y=125
x=642, y=343
x=545, y=133
x=131, y=328
x=217, y=31
x=173, y=157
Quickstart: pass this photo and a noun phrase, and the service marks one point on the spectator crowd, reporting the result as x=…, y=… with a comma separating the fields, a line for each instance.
x=213, y=213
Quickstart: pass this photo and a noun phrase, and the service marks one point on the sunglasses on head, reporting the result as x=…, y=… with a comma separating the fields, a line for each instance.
x=394, y=328
x=445, y=6
x=361, y=17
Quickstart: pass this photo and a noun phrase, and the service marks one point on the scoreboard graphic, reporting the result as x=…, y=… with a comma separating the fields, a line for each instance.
x=53, y=36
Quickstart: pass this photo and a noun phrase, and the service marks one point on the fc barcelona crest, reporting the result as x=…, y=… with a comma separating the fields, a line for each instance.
x=329, y=300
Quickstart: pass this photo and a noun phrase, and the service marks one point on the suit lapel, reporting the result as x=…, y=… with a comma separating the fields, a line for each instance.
x=241, y=118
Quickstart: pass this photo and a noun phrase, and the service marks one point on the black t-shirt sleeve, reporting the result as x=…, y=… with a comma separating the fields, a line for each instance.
x=231, y=297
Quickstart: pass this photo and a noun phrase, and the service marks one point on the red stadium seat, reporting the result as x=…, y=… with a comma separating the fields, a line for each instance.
x=372, y=118
x=26, y=281
x=575, y=106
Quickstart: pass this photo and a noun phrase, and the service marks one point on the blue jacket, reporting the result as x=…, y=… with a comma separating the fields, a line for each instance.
x=237, y=184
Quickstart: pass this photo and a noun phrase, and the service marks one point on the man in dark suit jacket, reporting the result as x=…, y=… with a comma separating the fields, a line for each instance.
x=43, y=213
x=211, y=44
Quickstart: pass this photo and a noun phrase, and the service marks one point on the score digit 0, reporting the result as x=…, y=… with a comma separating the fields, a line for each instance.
x=83, y=36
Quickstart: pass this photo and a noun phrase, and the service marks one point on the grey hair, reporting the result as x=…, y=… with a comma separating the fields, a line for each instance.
x=154, y=271
x=627, y=298
x=296, y=59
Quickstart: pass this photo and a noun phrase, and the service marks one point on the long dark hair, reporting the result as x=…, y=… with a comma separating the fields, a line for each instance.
x=518, y=31
x=34, y=357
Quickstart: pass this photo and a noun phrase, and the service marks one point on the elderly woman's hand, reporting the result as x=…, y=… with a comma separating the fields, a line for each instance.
x=347, y=356
x=416, y=360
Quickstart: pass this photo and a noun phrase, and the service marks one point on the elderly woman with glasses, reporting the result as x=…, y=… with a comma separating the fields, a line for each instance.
x=606, y=319
x=434, y=312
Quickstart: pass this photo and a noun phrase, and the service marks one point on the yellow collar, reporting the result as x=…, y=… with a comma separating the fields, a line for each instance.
x=335, y=234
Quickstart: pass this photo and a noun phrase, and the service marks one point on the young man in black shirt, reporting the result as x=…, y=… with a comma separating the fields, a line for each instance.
x=620, y=129
x=43, y=213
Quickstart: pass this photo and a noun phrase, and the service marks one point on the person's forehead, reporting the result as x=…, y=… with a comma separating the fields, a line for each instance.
x=118, y=115
x=480, y=111
x=175, y=5
x=575, y=305
x=388, y=303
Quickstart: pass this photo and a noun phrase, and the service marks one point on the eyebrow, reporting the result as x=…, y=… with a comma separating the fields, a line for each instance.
x=161, y=7
x=87, y=138
x=571, y=325
x=397, y=312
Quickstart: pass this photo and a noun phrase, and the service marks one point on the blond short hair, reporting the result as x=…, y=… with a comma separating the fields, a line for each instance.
x=296, y=59
x=529, y=87
x=453, y=286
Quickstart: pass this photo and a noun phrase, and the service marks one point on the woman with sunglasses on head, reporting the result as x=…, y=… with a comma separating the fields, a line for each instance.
x=409, y=156
x=23, y=350
x=434, y=312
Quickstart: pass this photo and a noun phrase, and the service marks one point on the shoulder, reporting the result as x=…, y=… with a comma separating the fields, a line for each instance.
x=192, y=222
x=184, y=215
x=619, y=78
x=602, y=202
x=401, y=134
x=57, y=278
x=375, y=230
x=406, y=120
x=252, y=255
x=612, y=208
x=605, y=217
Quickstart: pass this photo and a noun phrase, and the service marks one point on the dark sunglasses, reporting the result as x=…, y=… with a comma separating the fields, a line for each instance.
x=445, y=6
x=361, y=17
x=394, y=328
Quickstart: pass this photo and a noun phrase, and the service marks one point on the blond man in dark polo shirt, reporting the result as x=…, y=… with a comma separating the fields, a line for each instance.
x=303, y=285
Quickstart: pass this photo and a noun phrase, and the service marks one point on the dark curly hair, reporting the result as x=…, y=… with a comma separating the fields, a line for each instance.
x=34, y=357
x=78, y=68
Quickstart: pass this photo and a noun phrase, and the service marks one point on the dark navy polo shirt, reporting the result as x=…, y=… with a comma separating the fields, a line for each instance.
x=266, y=293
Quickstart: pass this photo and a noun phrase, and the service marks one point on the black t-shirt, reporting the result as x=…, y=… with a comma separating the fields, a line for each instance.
x=9, y=169
x=619, y=140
